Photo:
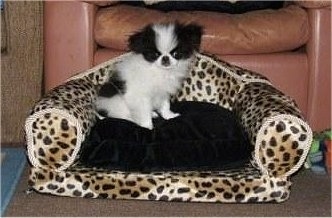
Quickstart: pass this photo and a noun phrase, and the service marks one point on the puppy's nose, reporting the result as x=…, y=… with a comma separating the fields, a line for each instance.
x=165, y=61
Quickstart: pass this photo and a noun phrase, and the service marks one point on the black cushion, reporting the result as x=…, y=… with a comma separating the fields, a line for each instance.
x=237, y=7
x=204, y=137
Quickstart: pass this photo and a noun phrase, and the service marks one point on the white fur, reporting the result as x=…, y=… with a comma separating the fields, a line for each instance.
x=166, y=41
x=148, y=85
x=165, y=38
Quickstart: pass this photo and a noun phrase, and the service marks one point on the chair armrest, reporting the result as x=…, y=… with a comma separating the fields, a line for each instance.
x=313, y=3
x=68, y=26
x=319, y=57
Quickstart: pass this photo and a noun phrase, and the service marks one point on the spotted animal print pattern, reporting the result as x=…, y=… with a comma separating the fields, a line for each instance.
x=233, y=186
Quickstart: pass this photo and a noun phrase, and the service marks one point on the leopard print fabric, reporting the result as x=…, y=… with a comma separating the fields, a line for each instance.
x=59, y=122
x=232, y=186
x=285, y=140
x=215, y=81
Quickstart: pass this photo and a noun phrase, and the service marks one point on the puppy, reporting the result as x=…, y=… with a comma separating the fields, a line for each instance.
x=145, y=79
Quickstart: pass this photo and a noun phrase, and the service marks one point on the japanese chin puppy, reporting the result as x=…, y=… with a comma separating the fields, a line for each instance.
x=144, y=80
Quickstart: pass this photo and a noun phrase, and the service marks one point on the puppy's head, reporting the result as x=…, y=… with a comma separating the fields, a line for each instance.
x=166, y=44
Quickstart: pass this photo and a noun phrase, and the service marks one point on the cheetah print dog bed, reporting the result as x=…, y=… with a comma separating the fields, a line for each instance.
x=60, y=121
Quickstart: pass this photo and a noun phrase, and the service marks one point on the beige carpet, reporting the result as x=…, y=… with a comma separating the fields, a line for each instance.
x=310, y=196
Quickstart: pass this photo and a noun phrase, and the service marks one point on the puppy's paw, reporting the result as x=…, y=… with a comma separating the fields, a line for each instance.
x=154, y=114
x=147, y=124
x=170, y=115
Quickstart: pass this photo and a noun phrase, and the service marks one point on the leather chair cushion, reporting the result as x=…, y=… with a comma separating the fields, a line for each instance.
x=254, y=32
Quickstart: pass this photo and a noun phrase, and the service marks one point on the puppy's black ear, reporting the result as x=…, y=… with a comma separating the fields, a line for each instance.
x=138, y=41
x=193, y=33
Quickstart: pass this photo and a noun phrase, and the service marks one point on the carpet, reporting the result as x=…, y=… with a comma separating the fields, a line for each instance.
x=12, y=164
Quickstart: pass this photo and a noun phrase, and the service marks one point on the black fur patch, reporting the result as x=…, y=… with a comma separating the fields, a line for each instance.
x=143, y=42
x=103, y=113
x=113, y=87
x=189, y=40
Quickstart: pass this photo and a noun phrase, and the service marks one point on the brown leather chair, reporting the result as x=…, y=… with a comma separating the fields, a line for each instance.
x=291, y=45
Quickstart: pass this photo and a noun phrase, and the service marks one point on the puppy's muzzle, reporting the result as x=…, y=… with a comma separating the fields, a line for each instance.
x=165, y=61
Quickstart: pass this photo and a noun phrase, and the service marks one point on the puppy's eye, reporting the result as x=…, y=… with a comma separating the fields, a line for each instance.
x=157, y=54
x=151, y=55
x=176, y=54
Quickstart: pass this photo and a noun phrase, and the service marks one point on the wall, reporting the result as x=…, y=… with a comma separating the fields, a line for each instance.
x=21, y=65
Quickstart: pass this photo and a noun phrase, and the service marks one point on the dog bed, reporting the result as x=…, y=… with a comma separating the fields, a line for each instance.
x=62, y=120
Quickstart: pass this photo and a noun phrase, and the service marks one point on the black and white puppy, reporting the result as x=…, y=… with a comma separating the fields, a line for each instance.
x=154, y=70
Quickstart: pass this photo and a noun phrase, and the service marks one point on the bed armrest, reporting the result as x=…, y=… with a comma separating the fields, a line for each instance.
x=60, y=121
x=58, y=124
x=281, y=137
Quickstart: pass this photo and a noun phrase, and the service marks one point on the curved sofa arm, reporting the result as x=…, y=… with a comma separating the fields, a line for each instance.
x=275, y=126
x=60, y=121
